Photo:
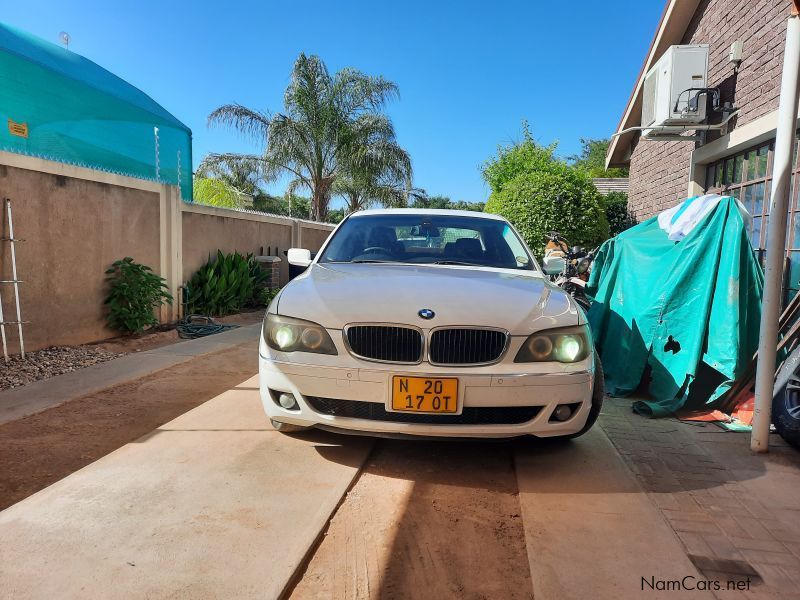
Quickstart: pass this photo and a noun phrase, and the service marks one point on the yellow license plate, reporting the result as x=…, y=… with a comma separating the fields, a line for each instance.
x=425, y=394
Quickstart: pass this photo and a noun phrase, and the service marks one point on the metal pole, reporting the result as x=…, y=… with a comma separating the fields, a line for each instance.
x=14, y=277
x=3, y=331
x=3, y=327
x=776, y=246
x=158, y=166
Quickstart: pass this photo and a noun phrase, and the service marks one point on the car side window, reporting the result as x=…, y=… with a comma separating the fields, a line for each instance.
x=520, y=254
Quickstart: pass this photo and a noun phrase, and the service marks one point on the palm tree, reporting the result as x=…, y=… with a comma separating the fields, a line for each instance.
x=361, y=192
x=332, y=126
x=217, y=192
x=239, y=172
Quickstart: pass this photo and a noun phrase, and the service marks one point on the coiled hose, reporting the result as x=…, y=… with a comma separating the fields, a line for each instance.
x=197, y=326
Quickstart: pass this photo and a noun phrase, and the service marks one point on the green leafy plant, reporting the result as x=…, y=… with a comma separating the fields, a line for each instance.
x=540, y=193
x=217, y=192
x=134, y=294
x=265, y=295
x=592, y=159
x=520, y=158
x=617, y=213
x=225, y=284
x=558, y=199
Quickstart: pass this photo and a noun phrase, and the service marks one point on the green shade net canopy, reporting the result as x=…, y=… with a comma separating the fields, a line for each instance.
x=682, y=314
x=58, y=105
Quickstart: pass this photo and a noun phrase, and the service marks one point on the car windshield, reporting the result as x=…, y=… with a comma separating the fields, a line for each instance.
x=428, y=239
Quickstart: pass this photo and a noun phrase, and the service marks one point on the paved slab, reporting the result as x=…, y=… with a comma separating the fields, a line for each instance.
x=214, y=504
x=41, y=395
x=590, y=530
x=736, y=512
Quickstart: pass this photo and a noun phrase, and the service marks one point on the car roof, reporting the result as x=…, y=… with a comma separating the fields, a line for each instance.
x=426, y=211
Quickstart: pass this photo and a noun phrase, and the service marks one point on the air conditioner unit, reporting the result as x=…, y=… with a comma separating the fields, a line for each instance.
x=670, y=95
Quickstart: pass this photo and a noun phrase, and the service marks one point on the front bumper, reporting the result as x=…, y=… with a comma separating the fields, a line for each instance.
x=479, y=387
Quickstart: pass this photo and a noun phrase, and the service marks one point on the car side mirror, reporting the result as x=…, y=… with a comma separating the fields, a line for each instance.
x=299, y=257
x=553, y=265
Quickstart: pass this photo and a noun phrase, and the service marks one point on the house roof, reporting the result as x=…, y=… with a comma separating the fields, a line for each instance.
x=670, y=31
x=605, y=185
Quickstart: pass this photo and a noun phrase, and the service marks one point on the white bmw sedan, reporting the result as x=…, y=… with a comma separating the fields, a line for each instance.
x=427, y=323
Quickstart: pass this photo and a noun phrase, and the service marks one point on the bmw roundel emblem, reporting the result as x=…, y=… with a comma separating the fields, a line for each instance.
x=426, y=313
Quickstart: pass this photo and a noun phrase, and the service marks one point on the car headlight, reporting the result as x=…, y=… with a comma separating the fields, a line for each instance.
x=296, y=335
x=566, y=345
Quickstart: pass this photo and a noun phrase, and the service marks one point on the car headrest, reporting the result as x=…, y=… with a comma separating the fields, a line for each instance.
x=384, y=237
x=468, y=247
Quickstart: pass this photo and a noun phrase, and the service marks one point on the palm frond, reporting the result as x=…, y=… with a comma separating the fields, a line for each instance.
x=247, y=121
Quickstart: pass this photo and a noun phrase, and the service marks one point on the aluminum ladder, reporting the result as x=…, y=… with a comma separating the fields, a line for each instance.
x=14, y=281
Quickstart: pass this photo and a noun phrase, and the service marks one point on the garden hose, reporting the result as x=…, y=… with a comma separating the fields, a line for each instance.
x=197, y=326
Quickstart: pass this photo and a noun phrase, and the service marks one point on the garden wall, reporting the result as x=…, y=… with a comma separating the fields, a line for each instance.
x=206, y=229
x=77, y=221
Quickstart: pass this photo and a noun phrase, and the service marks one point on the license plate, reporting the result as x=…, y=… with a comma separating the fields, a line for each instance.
x=425, y=394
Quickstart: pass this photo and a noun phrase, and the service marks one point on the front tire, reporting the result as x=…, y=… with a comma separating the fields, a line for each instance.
x=287, y=427
x=598, y=395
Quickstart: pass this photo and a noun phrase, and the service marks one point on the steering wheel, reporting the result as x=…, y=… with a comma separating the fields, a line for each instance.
x=375, y=250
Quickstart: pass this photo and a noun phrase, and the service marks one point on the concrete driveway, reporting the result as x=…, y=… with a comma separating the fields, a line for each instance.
x=216, y=504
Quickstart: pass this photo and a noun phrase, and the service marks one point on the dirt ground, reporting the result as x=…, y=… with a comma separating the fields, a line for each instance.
x=40, y=449
x=157, y=339
x=443, y=517
x=51, y=362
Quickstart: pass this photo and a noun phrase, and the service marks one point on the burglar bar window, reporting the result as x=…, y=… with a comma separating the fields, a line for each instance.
x=747, y=176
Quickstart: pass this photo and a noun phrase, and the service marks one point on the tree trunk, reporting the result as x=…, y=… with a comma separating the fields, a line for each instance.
x=321, y=198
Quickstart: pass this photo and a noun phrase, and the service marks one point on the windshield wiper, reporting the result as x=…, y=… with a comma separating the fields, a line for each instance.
x=455, y=262
x=368, y=260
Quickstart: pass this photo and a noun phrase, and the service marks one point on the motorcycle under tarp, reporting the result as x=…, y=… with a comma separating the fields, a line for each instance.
x=685, y=311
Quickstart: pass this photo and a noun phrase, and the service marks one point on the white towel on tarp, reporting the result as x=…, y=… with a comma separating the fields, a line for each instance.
x=679, y=220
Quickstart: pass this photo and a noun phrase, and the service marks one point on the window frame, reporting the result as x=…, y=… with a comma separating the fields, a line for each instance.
x=726, y=186
x=721, y=182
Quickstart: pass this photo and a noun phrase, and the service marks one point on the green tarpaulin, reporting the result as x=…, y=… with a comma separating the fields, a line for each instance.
x=684, y=314
x=58, y=105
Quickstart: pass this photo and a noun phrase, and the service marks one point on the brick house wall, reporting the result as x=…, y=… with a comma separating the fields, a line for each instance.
x=659, y=171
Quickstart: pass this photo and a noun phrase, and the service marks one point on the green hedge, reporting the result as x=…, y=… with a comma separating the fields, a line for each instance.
x=556, y=199
x=619, y=218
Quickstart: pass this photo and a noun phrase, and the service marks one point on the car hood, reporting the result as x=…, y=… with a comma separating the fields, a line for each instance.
x=335, y=295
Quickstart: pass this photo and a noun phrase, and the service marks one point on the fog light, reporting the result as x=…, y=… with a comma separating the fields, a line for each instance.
x=562, y=412
x=287, y=401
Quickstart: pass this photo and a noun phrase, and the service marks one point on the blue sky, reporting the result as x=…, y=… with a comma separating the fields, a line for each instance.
x=468, y=72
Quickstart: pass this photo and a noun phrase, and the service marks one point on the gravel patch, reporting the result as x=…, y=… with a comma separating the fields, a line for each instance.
x=49, y=362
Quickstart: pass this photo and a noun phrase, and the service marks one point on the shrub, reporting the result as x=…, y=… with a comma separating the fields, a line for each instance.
x=216, y=192
x=619, y=219
x=265, y=295
x=556, y=198
x=134, y=294
x=518, y=159
x=225, y=284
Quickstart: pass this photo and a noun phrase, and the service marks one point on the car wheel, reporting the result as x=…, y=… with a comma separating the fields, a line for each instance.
x=598, y=395
x=786, y=411
x=287, y=427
